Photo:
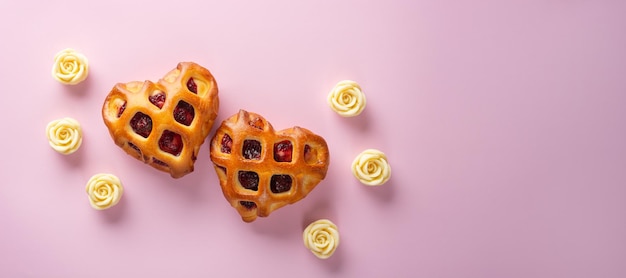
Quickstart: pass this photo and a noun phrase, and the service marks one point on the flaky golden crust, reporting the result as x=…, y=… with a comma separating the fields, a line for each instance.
x=306, y=168
x=127, y=99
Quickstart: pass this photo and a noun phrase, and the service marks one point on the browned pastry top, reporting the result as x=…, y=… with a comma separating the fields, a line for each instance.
x=164, y=124
x=260, y=169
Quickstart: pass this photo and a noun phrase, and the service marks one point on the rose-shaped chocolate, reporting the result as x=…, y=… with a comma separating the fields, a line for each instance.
x=104, y=190
x=64, y=135
x=371, y=167
x=347, y=99
x=70, y=67
x=322, y=238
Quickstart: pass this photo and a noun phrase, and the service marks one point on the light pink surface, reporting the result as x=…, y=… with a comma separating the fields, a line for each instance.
x=504, y=122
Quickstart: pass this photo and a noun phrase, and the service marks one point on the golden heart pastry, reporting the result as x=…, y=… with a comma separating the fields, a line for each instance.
x=260, y=169
x=164, y=124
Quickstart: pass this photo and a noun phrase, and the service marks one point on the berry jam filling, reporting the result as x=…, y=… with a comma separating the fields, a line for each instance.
x=227, y=144
x=249, y=180
x=134, y=147
x=251, y=149
x=157, y=99
x=141, y=124
x=247, y=204
x=159, y=162
x=121, y=109
x=280, y=183
x=282, y=151
x=256, y=123
x=184, y=113
x=171, y=142
x=191, y=85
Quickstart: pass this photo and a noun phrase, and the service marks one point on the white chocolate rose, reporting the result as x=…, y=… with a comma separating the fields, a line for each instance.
x=64, y=135
x=371, y=167
x=347, y=99
x=70, y=67
x=322, y=238
x=104, y=190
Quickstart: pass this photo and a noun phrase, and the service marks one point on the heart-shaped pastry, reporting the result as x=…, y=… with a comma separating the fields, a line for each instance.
x=164, y=124
x=260, y=169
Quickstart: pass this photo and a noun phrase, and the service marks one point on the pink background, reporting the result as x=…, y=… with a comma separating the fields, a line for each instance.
x=504, y=122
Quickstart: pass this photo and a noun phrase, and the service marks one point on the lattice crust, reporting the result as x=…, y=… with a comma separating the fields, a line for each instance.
x=164, y=124
x=260, y=169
